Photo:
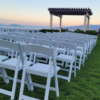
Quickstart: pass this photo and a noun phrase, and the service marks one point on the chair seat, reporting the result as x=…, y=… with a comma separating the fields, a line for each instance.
x=3, y=58
x=79, y=47
x=65, y=58
x=62, y=50
x=78, y=52
x=41, y=69
x=41, y=55
x=11, y=64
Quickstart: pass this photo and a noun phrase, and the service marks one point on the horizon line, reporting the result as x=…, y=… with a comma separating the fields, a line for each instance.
x=44, y=26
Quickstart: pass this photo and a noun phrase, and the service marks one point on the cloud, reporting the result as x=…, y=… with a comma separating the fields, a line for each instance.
x=4, y=20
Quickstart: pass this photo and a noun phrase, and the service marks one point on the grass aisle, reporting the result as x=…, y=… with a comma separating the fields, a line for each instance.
x=85, y=86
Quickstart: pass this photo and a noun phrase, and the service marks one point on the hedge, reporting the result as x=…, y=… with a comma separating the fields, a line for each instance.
x=91, y=32
x=52, y=30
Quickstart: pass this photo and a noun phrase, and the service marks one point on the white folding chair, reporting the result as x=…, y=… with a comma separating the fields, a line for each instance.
x=44, y=43
x=86, y=48
x=67, y=58
x=60, y=50
x=45, y=70
x=8, y=64
x=79, y=52
x=26, y=40
x=8, y=38
x=12, y=64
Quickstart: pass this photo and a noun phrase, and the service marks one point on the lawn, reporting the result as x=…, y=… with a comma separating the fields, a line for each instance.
x=85, y=86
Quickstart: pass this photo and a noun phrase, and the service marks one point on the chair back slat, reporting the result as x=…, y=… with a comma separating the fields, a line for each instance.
x=81, y=43
x=37, y=49
x=10, y=45
x=64, y=44
x=25, y=39
x=4, y=36
x=43, y=42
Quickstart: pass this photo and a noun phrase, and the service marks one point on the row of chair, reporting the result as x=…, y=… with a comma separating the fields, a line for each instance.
x=46, y=42
x=51, y=50
x=20, y=30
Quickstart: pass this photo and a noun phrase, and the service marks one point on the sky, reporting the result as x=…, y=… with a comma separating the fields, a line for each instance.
x=35, y=12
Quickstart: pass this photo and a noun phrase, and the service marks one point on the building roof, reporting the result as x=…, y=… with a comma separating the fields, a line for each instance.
x=70, y=11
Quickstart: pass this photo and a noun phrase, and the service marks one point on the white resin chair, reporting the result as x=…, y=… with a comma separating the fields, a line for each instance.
x=8, y=38
x=14, y=64
x=40, y=69
x=8, y=64
x=44, y=43
x=59, y=49
x=86, y=48
x=80, y=54
x=67, y=58
x=26, y=40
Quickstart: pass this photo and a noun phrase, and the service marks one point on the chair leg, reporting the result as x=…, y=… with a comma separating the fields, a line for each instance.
x=31, y=56
x=22, y=82
x=80, y=62
x=70, y=72
x=4, y=75
x=75, y=69
x=22, y=86
x=48, y=83
x=15, y=80
x=29, y=80
x=12, y=53
x=66, y=65
x=62, y=63
x=83, y=59
x=16, y=54
x=56, y=84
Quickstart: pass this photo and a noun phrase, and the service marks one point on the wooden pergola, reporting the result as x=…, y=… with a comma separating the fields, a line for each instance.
x=70, y=11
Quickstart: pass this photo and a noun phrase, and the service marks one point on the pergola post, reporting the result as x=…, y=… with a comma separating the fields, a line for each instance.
x=88, y=23
x=51, y=21
x=60, y=24
x=85, y=17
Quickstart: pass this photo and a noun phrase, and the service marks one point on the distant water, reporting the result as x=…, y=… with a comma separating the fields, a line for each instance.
x=35, y=28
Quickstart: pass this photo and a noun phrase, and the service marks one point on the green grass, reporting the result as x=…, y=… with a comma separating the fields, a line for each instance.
x=85, y=86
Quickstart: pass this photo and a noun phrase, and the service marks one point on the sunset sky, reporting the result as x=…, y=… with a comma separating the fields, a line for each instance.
x=35, y=12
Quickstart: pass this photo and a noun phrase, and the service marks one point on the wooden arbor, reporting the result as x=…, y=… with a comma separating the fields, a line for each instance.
x=70, y=11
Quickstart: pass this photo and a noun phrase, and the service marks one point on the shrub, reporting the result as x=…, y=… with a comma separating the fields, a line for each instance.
x=99, y=30
x=67, y=30
x=91, y=32
x=79, y=31
x=55, y=30
x=43, y=30
x=64, y=30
